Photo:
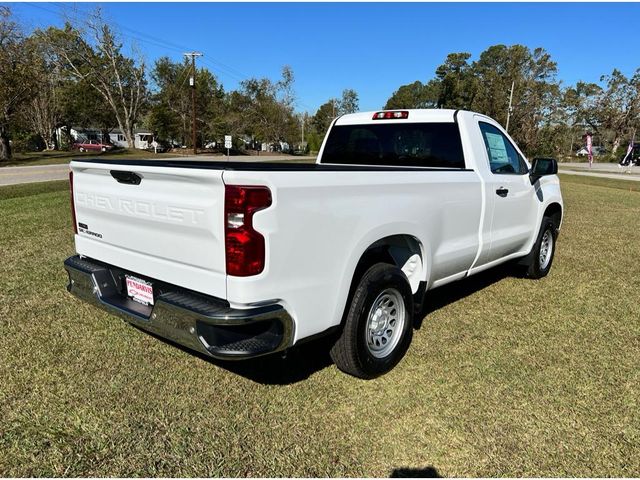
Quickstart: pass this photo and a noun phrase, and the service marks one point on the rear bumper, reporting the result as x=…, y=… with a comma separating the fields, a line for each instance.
x=199, y=322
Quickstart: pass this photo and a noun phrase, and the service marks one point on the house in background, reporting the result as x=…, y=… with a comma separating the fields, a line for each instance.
x=80, y=134
x=142, y=138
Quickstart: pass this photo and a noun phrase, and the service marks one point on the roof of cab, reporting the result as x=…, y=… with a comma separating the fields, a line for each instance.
x=415, y=115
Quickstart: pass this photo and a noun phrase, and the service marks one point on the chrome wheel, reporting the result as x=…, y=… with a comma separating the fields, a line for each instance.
x=385, y=323
x=546, y=249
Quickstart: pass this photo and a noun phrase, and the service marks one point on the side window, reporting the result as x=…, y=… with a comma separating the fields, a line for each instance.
x=503, y=157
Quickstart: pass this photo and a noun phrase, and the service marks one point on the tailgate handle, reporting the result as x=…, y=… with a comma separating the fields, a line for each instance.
x=130, y=178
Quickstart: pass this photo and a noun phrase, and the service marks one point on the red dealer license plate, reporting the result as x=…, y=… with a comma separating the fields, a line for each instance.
x=139, y=290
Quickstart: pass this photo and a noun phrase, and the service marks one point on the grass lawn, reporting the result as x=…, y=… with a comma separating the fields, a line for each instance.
x=505, y=376
x=56, y=157
x=623, y=184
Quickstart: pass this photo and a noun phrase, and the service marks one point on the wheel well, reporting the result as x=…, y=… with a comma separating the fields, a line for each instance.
x=554, y=211
x=398, y=250
x=394, y=250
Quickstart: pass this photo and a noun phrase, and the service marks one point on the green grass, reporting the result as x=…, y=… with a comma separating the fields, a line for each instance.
x=623, y=184
x=56, y=157
x=505, y=376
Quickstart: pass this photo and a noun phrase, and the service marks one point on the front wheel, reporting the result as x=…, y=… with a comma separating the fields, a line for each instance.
x=378, y=326
x=82, y=150
x=543, y=250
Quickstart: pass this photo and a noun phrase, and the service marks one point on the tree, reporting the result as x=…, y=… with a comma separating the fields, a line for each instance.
x=415, y=95
x=617, y=108
x=17, y=84
x=95, y=56
x=170, y=112
x=456, y=79
x=265, y=108
x=578, y=105
x=82, y=106
x=349, y=102
x=536, y=90
x=43, y=112
x=324, y=116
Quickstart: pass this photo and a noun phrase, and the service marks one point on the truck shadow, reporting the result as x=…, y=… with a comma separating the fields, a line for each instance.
x=451, y=293
x=299, y=363
x=302, y=361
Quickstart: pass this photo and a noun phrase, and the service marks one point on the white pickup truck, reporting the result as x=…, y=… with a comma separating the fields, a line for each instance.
x=236, y=259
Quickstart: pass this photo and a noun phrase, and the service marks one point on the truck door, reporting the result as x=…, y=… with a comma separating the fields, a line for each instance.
x=513, y=196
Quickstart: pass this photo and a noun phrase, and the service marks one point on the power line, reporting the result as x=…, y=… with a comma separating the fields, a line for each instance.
x=216, y=65
x=149, y=40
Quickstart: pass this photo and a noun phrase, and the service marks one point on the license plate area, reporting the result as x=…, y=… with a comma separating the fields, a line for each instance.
x=139, y=290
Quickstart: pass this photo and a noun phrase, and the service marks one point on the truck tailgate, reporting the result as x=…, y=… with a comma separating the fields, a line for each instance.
x=169, y=226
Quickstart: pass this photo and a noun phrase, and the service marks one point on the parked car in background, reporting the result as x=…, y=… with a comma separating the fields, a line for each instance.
x=92, y=146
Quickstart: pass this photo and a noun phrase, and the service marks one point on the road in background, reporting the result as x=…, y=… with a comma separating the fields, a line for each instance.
x=602, y=170
x=46, y=173
x=40, y=173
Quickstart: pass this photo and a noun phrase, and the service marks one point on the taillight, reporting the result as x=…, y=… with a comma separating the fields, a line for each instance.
x=397, y=114
x=244, y=247
x=73, y=204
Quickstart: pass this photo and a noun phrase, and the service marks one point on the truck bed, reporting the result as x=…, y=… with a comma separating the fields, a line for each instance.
x=170, y=227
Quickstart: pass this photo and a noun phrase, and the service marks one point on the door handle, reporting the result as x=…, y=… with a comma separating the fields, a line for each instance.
x=502, y=192
x=130, y=178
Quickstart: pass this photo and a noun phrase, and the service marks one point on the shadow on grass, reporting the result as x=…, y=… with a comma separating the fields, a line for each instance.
x=451, y=293
x=428, y=472
x=303, y=360
x=299, y=363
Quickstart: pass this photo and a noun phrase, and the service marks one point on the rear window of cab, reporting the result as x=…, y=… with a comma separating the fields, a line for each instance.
x=395, y=144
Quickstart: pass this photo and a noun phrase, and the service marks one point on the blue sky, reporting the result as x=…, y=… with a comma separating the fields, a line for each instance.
x=370, y=47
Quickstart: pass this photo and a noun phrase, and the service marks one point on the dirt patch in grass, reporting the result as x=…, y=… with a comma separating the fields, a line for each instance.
x=505, y=376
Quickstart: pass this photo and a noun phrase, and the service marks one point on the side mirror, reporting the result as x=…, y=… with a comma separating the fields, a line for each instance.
x=542, y=166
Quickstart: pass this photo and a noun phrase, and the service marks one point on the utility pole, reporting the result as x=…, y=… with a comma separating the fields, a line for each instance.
x=510, y=100
x=192, y=83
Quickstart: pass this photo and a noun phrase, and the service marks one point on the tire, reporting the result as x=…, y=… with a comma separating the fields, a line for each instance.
x=544, y=250
x=81, y=150
x=103, y=149
x=378, y=325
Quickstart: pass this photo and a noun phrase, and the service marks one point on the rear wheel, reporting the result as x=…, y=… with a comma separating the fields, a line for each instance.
x=378, y=328
x=543, y=251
